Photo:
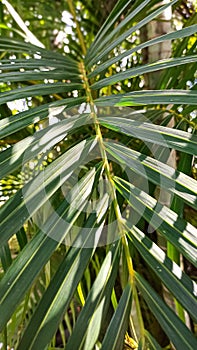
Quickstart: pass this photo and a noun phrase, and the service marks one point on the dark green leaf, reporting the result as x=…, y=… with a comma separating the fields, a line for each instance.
x=167, y=137
x=40, y=143
x=36, y=90
x=147, y=68
x=178, y=333
x=150, y=97
x=114, y=337
x=100, y=290
x=180, y=285
x=56, y=299
x=108, y=43
x=35, y=193
x=176, y=230
x=156, y=172
x=36, y=253
x=170, y=36
x=15, y=123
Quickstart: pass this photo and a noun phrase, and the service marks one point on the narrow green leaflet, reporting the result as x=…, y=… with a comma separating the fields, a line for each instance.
x=12, y=45
x=114, y=337
x=175, y=329
x=95, y=324
x=57, y=297
x=42, y=63
x=19, y=121
x=182, y=33
x=147, y=68
x=156, y=172
x=101, y=288
x=181, y=234
x=21, y=238
x=38, y=191
x=39, y=74
x=40, y=143
x=36, y=253
x=5, y=256
x=180, y=285
x=152, y=343
x=36, y=90
x=150, y=97
x=167, y=137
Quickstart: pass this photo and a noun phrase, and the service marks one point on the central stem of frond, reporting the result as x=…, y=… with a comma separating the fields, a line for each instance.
x=120, y=220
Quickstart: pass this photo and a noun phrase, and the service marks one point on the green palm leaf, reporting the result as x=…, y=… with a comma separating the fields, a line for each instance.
x=26, y=267
x=149, y=97
x=15, y=123
x=176, y=230
x=170, y=36
x=176, y=330
x=148, y=132
x=171, y=275
x=115, y=333
x=40, y=189
x=109, y=44
x=66, y=279
x=41, y=89
x=99, y=294
x=157, y=172
x=147, y=68
x=99, y=185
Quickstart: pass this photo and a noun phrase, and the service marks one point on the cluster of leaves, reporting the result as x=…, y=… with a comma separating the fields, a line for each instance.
x=84, y=217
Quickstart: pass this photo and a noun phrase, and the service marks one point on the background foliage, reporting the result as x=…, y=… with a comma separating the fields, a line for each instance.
x=91, y=257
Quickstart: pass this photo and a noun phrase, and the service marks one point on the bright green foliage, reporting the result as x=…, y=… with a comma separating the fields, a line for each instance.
x=81, y=171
